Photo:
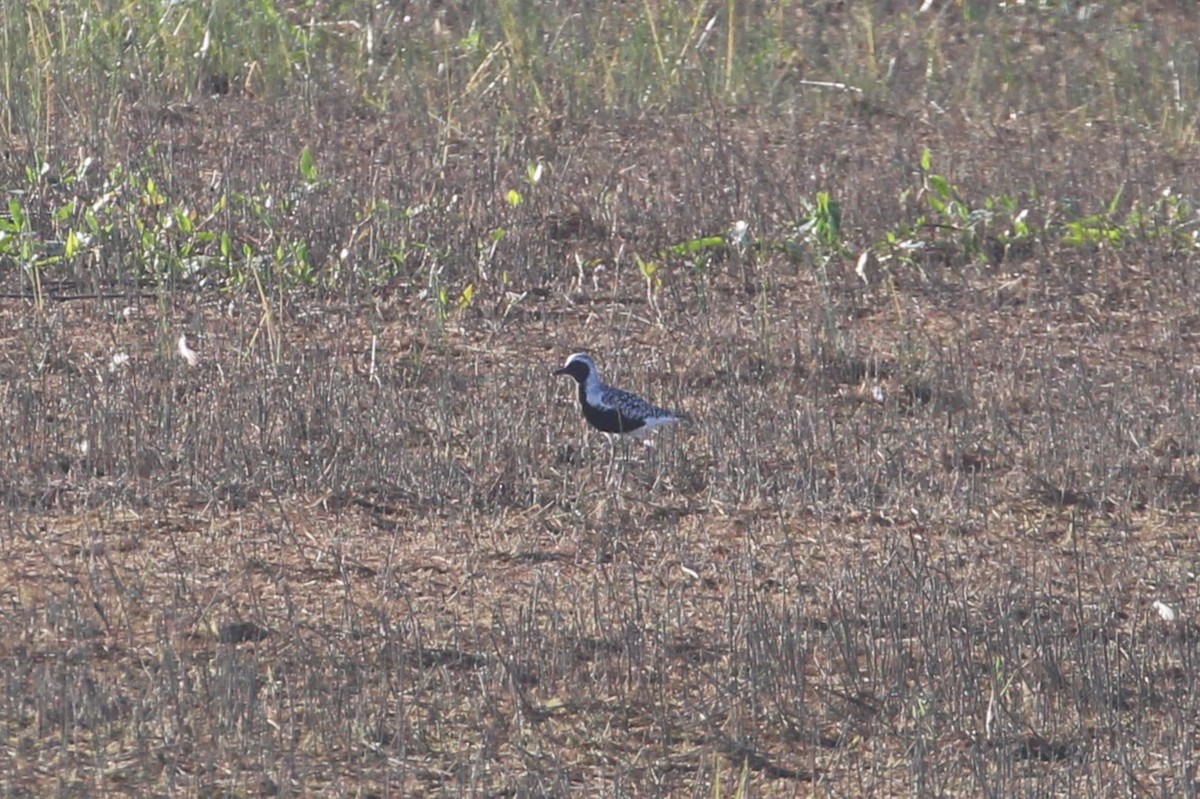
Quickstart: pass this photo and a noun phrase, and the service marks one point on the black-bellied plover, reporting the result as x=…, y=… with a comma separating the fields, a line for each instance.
x=611, y=410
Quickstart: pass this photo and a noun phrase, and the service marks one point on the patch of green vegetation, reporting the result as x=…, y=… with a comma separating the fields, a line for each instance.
x=1169, y=220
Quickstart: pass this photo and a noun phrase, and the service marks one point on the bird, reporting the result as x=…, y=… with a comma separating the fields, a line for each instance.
x=611, y=410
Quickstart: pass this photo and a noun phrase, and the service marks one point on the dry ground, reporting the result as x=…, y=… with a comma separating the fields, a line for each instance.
x=910, y=546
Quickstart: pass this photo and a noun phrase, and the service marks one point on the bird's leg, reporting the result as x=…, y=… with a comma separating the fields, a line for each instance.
x=654, y=468
x=612, y=458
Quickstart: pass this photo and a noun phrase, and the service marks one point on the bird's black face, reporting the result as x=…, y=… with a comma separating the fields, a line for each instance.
x=576, y=369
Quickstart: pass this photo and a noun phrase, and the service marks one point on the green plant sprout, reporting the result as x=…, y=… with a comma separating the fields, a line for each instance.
x=823, y=225
x=467, y=297
x=309, y=172
x=650, y=272
x=948, y=224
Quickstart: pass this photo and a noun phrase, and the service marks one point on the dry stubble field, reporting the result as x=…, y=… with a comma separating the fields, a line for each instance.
x=910, y=546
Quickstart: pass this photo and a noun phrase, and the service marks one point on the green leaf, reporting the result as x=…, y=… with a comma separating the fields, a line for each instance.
x=697, y=245
x=647, y=268
x=927, y=160
x=65, y=213
x=73, y=245
x=152, y=195
x=17, y=214
x=514, y=198
x=1112, y=206
x=184, y=220
x=472, y=41
x=467, y=297
x=308, y=166
x=941, y=186
x=828, y=220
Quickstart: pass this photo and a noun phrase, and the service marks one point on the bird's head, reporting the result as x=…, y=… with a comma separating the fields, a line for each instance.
x=579, y=366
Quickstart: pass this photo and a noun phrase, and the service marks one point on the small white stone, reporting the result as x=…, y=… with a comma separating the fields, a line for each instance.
x=187, y=353
x=1165, y=612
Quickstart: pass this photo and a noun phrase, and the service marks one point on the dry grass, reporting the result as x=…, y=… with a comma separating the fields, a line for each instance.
x=366, y=547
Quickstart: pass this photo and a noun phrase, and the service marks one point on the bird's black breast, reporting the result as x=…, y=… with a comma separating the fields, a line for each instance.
x=610, y=420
